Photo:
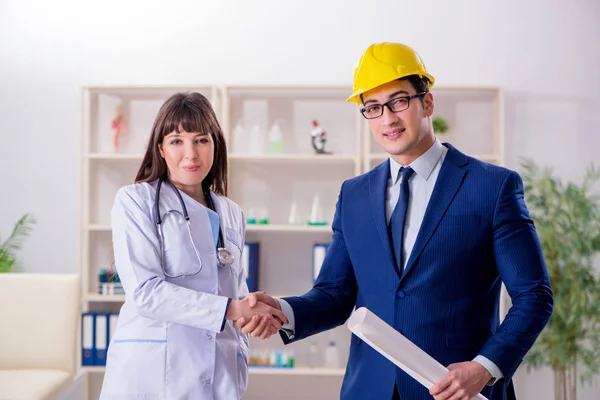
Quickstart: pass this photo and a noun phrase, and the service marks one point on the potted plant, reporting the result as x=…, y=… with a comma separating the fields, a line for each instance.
x=567, y=219
x=440, y=126
x=8, y=261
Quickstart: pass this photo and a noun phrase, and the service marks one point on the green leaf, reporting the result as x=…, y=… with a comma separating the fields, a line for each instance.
x=567, y=220
x=21, y=230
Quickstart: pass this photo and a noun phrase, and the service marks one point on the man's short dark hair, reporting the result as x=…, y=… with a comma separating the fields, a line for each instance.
x=418, y=83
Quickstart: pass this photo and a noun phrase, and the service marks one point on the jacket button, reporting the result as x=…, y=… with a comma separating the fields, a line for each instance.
x=400, y=294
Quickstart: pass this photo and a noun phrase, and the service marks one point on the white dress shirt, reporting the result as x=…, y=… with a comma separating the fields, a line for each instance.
x=427, y=168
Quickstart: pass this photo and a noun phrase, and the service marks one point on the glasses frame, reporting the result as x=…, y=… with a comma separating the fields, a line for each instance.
x=387, y=104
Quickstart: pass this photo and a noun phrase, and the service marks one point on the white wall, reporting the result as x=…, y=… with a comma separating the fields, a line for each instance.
x=535, y=49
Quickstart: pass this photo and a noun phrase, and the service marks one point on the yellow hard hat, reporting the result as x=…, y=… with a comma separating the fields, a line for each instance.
x=385, y=62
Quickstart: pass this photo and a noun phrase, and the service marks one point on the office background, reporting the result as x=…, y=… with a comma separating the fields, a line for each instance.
x=543, y=53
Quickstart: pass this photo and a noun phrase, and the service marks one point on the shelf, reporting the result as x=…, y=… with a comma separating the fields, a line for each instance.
x=484, y=157
x=93, y=369
x=303, y=371
x=309, y=158
x=286, y=228
x=241, y=157
x=98, y=298
x=110, y=156
x=98, y=227
x=136, y=93
x=249, y=228
x=297, y=371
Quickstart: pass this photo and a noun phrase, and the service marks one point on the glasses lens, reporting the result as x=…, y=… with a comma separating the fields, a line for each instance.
x=373, y=111
x=399, y=104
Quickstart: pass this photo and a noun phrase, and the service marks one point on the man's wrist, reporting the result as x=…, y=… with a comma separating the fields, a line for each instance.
x=491, y=368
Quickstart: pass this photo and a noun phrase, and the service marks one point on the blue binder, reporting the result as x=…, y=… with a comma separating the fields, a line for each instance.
x=319, y=251
x=113, y=321
x=88, y=339
x=251, y=260
x=101, y=338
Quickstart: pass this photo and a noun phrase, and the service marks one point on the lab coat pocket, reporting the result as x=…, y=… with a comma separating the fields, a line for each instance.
x=234, y=245
x=135, y=367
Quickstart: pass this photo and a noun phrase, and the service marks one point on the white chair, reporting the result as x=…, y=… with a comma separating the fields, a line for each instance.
x=39, y=321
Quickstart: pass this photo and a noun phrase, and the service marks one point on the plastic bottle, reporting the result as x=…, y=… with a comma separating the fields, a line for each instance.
x=290, y=358
x=313, y=355
x=240, y=138
x=332, y=356
x=257, y=135
x=275, y=139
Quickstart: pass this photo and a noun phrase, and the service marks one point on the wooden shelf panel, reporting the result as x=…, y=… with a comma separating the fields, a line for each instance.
x=98, y=298
x=311, y=158
x=303, y=371
x=114, y=156
x=287, y=228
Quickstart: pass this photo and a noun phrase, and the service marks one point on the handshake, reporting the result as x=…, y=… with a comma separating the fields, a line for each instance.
x=258, y=314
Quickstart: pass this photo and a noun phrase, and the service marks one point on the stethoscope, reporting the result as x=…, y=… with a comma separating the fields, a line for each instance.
x=224, y=256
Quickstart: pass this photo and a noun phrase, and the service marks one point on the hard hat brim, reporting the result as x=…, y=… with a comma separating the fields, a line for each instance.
x=355, y=97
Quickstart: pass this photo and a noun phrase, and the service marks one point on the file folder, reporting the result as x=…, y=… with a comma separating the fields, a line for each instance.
x=101, y=338
x=319, y=251
x=113, y=320
x=88, y=332
x=251, y=260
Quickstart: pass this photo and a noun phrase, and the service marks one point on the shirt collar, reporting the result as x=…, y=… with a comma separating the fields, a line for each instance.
x=423, y=165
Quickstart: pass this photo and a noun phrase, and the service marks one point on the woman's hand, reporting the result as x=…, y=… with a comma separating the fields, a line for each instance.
x=242, y=311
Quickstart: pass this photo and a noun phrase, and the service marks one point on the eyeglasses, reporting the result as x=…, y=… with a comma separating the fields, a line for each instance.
x=395, y=105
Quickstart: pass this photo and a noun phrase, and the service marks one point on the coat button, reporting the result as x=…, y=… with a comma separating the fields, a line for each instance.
x=207, y=382
x=400, y=294
x=210, y=336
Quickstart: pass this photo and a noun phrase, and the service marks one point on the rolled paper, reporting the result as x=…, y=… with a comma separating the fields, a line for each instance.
x=397, y=348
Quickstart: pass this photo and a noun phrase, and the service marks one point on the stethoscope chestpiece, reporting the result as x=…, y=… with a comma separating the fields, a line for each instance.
x=224, y=257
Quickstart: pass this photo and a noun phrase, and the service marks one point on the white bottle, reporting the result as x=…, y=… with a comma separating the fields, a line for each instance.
x=332, y=359
x=275, y=139
x=257, y=137
x=240, y=139
x=313, y=356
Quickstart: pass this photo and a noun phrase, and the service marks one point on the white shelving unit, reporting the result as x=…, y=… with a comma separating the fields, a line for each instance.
x=265, y=184
x=249, y=113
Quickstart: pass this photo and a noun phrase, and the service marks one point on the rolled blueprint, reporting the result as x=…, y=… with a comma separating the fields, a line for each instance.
x=397, y=348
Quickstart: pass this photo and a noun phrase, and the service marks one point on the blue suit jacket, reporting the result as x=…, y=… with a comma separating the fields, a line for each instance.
x=476, y=234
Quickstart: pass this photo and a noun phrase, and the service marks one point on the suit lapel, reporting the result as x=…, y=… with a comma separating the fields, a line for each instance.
x=448, y=182
x=377, y=189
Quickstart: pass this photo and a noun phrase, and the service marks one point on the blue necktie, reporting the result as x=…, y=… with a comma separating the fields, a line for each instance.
x=398, y=219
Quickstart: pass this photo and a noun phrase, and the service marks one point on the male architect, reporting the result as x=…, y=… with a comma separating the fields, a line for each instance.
x=425, y=240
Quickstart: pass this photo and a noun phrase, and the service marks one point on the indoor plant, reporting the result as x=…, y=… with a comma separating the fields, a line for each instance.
x=440, y=126
x=8, y=261
x=567, y=219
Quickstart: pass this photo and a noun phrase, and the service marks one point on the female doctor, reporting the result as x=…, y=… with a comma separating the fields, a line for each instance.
x=178, y=248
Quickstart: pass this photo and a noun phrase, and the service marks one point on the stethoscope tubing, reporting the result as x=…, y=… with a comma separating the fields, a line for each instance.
x=224, y=257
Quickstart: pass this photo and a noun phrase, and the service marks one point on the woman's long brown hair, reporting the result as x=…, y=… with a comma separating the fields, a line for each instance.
x=191, y=112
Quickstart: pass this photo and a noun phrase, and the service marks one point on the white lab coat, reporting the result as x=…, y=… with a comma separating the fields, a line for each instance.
x=168, y=343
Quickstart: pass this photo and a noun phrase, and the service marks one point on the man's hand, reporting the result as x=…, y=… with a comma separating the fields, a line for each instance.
x=269, y=319
x=464, y=381
x=257, y=327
